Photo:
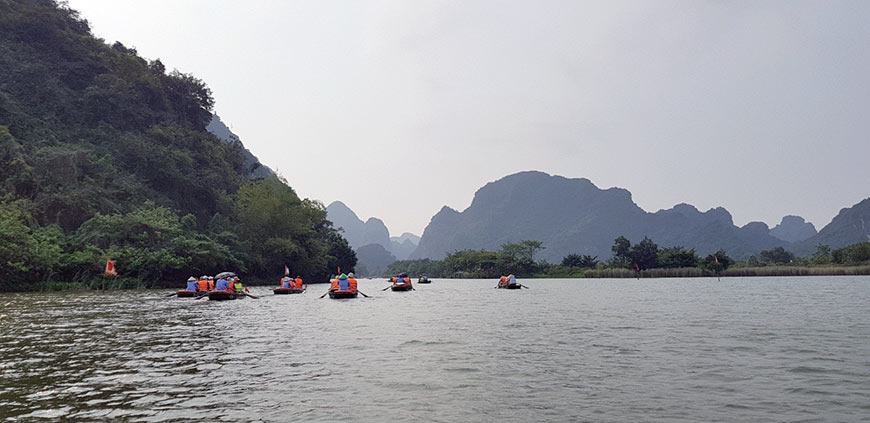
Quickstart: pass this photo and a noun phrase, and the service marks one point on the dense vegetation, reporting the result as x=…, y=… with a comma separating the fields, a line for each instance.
x=644, y=259
x=105, y=154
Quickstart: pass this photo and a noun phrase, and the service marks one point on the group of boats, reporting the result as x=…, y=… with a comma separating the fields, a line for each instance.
x=397, y=283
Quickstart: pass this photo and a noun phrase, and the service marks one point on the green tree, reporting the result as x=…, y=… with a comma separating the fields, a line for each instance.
x=645, y=254
x=576, y=260
x=776, y=255
x=677, y=257
x=822, y=255
x=717, y=261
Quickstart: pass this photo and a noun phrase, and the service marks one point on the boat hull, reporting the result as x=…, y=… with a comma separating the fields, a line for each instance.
x=286, y=291
x=342, y=294
x=183, y=293
x=424, y=281
x=514, y=286
x=401, y=287
x=223, y=296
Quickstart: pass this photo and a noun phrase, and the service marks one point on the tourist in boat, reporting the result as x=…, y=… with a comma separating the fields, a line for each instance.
x=238, y=287
x=286, y=282
x=191, y=284
x=511, y=279
x=202, y=284
x=351, y=282
x=502, y=281
x=403, y=279
x=222, y=285
x=298, y=282
x=211, y=283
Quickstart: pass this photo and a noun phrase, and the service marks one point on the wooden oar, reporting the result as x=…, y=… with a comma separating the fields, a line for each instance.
x=254, y=297
x=523, y=286
x=387, y=288
x=174, y=293
x=325, y=293
x=364, y=295
x=205, y=295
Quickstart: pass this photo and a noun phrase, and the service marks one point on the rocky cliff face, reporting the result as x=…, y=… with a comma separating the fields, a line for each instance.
x=357, y=232
x=793, y=229
x=575, y=216
x=850, y=226
x=253, y=167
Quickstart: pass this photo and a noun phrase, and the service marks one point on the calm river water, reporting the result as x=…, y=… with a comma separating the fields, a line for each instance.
x=689, y=350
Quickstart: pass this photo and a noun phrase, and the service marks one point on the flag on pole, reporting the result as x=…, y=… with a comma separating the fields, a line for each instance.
x=716, y=259
x=110, y=268
x=636, y=268
x=286, y=270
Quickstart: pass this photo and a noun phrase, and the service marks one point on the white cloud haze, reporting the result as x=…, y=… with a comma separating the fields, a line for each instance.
x=399, y=107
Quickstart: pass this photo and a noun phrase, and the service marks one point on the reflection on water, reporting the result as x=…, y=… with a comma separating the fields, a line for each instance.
x=774, y=349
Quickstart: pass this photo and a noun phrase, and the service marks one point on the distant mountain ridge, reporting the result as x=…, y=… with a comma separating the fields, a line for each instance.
x=574, y=216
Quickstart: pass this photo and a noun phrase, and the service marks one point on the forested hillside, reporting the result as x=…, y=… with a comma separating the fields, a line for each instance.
x=106, y=154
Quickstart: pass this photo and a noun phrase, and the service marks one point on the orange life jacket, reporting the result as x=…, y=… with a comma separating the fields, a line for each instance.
x=202, y=284
x=351, y=284
x=334, y=285
x=298, y=283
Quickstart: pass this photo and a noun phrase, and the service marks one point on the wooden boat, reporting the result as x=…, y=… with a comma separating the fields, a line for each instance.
x=402, y=287
x=514, y=286
x=285, y=291
x=183, y=293
x=424, y=281
x=342, y=294
x=223, y=295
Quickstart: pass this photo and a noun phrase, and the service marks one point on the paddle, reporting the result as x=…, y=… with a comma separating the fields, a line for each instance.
x=387, y=288
x=364, y=295
x=325, y=293
x=256, y=298
x=174, y=293
x=205, y=295
x=523, y=286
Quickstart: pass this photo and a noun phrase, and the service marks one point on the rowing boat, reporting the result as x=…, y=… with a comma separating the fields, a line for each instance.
x=402, y=287
x=510, y=286
x=183, y=293
x=342, y=294
x=223, y=296
x=285, y=291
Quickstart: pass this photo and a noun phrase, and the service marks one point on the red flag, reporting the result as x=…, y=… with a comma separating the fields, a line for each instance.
x=716, y=259
x=286, y=271
x=110, y=268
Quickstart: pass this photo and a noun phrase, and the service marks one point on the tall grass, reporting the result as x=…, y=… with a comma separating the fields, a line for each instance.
x=798, y=271
x=683, y=272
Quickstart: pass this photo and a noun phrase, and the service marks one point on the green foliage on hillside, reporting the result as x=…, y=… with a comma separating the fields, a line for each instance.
x=105, y=154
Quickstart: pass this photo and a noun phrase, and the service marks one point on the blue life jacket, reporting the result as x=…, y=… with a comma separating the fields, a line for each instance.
x=191, y=285
x=222, y=285
x=285, y=284
x=343, y=284
x=512, y=281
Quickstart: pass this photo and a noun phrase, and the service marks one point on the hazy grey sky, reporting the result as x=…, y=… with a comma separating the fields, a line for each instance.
x=400, y=107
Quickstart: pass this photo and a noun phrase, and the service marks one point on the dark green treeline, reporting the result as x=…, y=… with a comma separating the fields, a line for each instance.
x=105, y=154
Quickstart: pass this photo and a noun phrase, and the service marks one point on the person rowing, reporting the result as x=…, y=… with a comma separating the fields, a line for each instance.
x=298, y=282
x=238, y=287
x=502, y=281
x=287, y=282
x=511, y=280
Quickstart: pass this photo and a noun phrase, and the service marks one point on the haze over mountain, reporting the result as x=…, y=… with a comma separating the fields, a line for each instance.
x=575, y=216
x=793, y=229
x=850, y=226
x=357, y=232
x=255, y=169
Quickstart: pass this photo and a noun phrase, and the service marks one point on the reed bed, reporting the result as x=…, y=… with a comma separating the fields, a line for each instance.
x=696, y=272
x=798, y=271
